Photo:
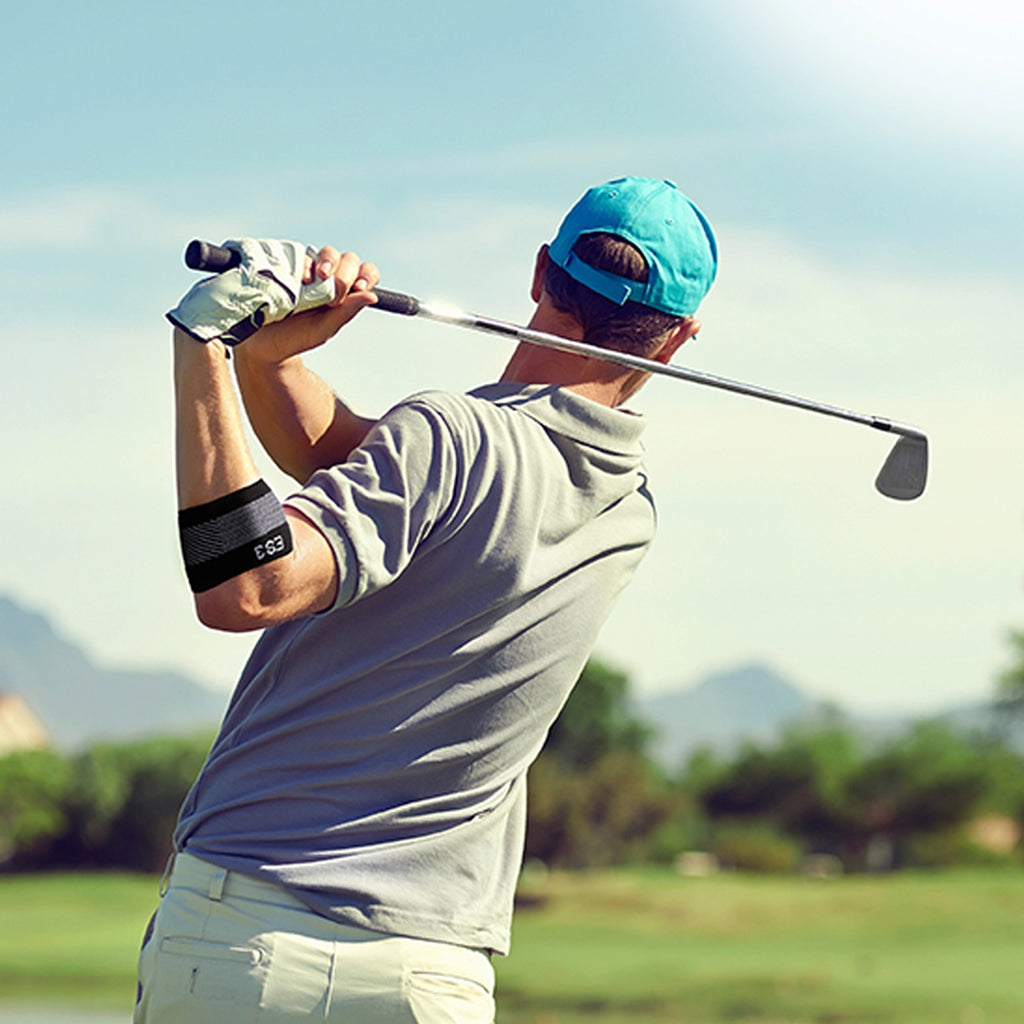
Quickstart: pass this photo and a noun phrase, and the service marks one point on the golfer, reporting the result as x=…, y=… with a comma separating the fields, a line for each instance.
x=350, y=849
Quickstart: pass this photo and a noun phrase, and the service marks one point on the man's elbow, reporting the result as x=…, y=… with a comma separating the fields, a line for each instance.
x=302, y=583
x=227, y=608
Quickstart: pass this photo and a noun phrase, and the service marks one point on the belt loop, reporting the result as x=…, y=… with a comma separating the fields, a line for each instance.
x=216, y=891
x=165, y=878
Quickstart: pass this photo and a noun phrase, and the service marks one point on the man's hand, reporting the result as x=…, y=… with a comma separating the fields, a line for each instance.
x=272, y=281
x=300, y=422
x=352, y=282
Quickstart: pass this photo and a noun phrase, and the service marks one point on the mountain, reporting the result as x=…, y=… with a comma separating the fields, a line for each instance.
x=755, y=704
x=79, y=702
x=721, y=711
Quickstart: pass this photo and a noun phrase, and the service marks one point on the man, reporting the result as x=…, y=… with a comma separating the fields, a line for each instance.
x=351, y=847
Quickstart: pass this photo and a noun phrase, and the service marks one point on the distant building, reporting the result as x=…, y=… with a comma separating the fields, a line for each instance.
x=20, y=729
x=996, y=832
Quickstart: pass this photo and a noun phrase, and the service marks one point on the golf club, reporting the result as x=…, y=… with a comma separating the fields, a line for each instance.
x=903, y=475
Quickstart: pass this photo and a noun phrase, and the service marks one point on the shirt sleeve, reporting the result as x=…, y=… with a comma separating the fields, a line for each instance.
x=379, y=507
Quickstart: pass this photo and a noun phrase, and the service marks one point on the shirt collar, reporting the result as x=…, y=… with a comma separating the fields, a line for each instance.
x=568, y=413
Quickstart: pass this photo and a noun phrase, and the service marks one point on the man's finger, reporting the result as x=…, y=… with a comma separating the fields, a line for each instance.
x=346, y=270
x=326, y=260
x=369, y=277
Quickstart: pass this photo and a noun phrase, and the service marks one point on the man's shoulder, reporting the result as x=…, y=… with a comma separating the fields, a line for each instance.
x=439, y=401
x=459, y=411
x=435, y=419
x=523, y=409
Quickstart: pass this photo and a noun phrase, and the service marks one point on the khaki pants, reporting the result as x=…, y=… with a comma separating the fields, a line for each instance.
x=226, y=949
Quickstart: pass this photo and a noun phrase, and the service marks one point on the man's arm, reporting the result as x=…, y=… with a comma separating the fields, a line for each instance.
x=300, y=422
x=213, y=461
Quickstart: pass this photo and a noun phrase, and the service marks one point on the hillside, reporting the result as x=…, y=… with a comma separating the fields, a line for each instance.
x=79, y=702
x=755, y=704
x=722, y=710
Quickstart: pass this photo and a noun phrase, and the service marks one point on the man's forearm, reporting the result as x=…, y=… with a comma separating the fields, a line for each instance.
x=300, y=422
x=268, y=564
x=212, y=458
x=298, y=419
x=213, y=461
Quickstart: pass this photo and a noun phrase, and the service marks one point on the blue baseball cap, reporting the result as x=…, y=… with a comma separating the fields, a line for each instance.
x=673, y=235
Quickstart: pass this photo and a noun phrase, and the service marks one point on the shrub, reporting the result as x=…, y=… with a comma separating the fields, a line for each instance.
x=951, y=848
x=113, y=805
x=605, y=814
x=33, y=789
x=757, y=848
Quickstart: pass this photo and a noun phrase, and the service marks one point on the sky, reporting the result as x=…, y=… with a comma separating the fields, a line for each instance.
x=861, y=166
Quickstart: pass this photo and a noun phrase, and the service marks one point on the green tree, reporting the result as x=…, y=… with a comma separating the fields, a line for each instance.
x=928, y=778
x=821, y=787
x=122, y=802
x=33, y=790
x=799, y=786
x=163, y=770
x=1010, y=684
x=596, y=719
x=609, y=813
x=595, y=797
x=925, y=783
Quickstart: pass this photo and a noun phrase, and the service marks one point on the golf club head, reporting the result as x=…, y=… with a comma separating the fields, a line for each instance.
x=905, y=472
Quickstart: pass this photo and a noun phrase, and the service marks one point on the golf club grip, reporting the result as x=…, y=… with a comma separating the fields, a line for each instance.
x=210, y=258
x=215, y=259
x=396, y=302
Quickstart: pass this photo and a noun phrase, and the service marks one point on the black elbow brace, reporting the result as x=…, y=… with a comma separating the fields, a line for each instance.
x=230, y=535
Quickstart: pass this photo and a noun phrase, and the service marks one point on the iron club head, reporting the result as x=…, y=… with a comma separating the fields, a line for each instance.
x=903, y=476
x=905, y=472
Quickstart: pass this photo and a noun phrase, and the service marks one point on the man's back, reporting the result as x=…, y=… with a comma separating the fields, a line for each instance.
x=372, y=764
x=486, y=538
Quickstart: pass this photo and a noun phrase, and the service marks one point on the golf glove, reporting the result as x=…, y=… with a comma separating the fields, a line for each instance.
x=266, y=286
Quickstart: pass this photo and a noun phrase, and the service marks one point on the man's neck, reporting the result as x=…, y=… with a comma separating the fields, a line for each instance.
x=594, y=379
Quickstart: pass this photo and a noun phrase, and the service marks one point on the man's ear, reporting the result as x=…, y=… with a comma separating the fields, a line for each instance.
x=674, y=340
x=540, y=267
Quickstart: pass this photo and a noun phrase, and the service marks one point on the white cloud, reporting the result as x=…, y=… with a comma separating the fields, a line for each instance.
x=773, y=542
x=82, y=217
x=948, y=68
x=786, y=314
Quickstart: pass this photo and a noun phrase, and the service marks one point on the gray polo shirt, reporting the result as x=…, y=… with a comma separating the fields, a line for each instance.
x=373, y=758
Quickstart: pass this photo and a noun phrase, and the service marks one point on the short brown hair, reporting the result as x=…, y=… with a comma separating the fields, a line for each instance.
x=628, y=328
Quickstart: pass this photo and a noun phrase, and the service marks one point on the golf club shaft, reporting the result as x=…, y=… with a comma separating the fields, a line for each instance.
x=205, y=256
x=507, y=330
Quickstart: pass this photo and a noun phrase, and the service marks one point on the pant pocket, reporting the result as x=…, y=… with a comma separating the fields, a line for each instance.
x=199, y=982
x=437, y=997
x=201, y=949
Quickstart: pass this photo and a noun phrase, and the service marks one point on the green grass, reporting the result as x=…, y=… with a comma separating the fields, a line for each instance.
x=646, y=946
x=73, y=939
x=632, y=946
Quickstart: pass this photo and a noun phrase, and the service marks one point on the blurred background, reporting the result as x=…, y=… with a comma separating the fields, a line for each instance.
x=861, y=164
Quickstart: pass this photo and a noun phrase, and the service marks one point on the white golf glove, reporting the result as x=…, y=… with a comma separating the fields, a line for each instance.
x=266, y=286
